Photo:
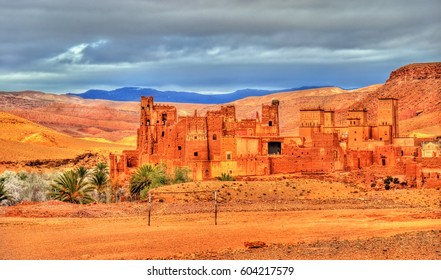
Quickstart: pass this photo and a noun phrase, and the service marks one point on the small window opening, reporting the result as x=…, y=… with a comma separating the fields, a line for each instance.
x=274, y=148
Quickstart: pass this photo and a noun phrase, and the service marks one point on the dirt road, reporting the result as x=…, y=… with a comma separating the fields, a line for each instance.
x=186, y=234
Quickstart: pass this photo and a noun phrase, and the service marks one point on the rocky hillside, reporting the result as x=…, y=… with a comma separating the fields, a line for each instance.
x=418, y=90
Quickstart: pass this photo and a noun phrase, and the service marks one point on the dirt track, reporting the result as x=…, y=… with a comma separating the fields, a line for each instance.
x=393, y=230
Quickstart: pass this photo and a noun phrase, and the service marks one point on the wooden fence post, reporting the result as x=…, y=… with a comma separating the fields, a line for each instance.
x=150, y=206
x=215, y=207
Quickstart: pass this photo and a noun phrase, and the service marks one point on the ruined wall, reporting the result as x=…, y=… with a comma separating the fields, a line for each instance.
x=269, y=125
x=246, y=127
x=359, y=159
x=387, y=156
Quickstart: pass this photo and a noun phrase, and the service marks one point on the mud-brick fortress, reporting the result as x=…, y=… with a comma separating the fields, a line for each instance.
x=219, y=143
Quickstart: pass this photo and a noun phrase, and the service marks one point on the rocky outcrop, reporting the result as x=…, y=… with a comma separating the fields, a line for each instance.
x=418, y=89
x=417, y=71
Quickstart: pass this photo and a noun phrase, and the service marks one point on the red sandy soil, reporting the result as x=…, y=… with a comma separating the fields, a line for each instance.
x=296, y=218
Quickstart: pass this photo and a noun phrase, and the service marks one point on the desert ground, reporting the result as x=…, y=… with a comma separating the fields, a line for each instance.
x=296, y=218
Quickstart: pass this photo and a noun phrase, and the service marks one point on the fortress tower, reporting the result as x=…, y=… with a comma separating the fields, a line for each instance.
x=387, y=119
x=269, y=125
x=311, y=121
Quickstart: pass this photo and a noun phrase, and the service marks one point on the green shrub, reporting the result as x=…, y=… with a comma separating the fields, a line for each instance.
x=225, y=177
x=181, y=175
x=387, y=182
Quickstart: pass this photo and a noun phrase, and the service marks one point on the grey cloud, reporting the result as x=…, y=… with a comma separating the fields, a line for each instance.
x=214, y=40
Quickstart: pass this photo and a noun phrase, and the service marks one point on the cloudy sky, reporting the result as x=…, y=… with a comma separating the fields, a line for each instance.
x=212, y=46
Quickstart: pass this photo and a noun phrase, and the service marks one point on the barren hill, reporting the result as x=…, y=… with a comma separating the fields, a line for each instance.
x=73, y=115
x=23, y=140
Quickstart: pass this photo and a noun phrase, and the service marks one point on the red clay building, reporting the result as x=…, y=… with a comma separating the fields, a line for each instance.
x=219, y=143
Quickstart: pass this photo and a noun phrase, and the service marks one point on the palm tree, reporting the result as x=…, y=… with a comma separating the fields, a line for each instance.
x=82, y=172
x=100, y=177
x=72, y=187
x=141, y=179
x=101, y=167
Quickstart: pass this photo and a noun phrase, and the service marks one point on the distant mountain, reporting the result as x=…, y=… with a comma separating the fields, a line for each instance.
x=135, y=93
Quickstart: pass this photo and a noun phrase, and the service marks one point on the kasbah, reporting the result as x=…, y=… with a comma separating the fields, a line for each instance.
x=218, y=143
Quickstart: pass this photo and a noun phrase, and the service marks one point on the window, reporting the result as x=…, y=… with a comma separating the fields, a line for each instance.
x=274, y=148
x=148, y=122
x=179, y=148
x=229, y=156
x=195, y=138
x=196, y=154
x=270, y=123
x=214, y=137
x=162, y=134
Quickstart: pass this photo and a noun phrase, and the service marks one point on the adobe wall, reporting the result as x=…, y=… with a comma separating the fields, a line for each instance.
x=253, y=165
x=228, y=147
x=359, y=159
x=429, y=162
x=248, y=146
x=387, y=156
x=246, y=127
